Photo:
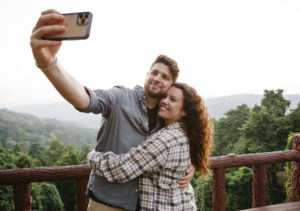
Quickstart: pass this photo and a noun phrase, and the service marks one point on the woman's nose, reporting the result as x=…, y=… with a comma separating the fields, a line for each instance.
x=164, y=100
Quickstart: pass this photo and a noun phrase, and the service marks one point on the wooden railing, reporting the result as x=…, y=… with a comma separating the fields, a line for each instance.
x=21, y=179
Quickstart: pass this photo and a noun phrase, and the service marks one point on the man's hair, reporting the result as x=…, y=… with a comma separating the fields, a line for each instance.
x=171, y=63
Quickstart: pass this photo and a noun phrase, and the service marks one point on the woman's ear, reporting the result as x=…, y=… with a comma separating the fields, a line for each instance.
x=182, y=112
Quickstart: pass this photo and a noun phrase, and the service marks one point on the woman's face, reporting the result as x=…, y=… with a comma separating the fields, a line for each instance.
x=171, y=106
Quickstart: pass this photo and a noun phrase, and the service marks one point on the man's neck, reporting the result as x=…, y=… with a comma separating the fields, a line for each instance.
x=151, y=102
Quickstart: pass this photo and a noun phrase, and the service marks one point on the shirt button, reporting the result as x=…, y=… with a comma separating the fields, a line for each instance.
x=136, y=190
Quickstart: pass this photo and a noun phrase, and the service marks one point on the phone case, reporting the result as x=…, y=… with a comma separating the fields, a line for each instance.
x=78, y=26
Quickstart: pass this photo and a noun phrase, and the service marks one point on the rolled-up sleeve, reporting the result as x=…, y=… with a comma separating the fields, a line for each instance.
x=102, y=101
x=151, y=156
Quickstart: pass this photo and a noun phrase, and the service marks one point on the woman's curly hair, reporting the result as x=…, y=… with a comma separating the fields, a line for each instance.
x=198, y=127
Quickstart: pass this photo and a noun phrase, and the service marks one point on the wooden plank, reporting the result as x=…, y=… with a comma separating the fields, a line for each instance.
x=219, y=192
x=259, y=186
x=22, y=198
x=28, y=175
x=295, y=172
x=81, y=199
x=233, y=160
x=294, y=206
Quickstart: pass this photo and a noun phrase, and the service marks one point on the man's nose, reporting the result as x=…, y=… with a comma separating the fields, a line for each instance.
x=157, y=78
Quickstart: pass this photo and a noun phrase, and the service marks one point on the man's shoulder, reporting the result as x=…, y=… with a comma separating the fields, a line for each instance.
x=128, y=93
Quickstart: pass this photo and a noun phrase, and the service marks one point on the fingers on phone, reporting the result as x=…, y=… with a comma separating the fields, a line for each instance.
x=37, y=44
x=49, y=11
x=48, y=19
x=48, y=30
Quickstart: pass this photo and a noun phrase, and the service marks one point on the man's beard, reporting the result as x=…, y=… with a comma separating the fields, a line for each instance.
x=153, y=95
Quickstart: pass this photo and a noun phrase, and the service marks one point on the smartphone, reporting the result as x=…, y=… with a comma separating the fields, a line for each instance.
x=78, y=26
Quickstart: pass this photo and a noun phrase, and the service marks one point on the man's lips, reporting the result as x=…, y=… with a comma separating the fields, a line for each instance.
x=155, y=86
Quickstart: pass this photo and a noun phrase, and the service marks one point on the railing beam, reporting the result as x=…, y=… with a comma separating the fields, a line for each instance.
x=259, y=186
x=295, y=172
x=219, y=191
x=81, y=198
x=22, y=198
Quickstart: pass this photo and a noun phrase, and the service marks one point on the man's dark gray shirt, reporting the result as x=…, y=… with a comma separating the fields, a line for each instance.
x=124, y=125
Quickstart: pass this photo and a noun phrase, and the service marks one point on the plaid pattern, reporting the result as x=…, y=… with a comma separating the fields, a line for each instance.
x=160, y=161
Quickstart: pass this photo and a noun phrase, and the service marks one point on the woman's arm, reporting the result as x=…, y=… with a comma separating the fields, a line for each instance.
x=150, y=156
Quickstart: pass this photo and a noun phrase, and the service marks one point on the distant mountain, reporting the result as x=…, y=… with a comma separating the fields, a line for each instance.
x=216, y=107
x=61, y=111
x=19, y=127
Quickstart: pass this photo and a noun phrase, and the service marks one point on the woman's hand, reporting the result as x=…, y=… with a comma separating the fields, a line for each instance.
x=89, y=154
x=184, y=181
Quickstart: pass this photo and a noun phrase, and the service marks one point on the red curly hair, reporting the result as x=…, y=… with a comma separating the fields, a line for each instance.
x=197, y=126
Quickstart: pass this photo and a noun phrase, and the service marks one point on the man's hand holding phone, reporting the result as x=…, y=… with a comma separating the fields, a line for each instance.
x=53, y=27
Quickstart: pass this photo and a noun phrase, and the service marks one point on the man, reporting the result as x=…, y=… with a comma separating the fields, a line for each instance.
x=129, y=115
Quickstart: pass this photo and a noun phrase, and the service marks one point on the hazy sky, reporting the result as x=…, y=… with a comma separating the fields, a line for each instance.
x=223, y=47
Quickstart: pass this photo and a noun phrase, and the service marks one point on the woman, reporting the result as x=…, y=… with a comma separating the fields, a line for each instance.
x=164, y=157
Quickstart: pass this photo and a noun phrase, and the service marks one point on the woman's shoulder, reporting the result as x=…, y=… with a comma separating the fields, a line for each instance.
x=172, y=134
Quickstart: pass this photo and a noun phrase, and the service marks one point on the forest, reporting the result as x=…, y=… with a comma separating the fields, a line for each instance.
x=27, y=141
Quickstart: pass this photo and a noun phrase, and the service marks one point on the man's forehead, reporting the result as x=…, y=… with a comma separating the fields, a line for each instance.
x=162, y=68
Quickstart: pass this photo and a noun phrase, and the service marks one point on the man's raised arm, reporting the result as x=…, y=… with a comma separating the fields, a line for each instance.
x=44, y=53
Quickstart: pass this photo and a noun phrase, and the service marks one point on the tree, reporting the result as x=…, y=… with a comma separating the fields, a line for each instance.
x=203, y=191
x=227, y=129
x=239, y=189
x=85, y=149
x=24, y=161
x=56, y=151
x=6, y=191
x=294, y=119
x=266, y=130
x=268, y=126
x=49, y=197
x=39, y=154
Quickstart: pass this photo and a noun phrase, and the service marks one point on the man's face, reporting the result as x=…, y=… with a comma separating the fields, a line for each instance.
x=158, y=80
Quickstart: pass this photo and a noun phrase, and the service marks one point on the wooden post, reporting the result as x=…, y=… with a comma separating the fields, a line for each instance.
x=219, y=192
x=259, y=186
x=81, y=198
x=22, y=198
x=295, y=172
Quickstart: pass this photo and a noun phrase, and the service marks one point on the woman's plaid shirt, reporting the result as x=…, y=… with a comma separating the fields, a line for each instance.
x=160, y=161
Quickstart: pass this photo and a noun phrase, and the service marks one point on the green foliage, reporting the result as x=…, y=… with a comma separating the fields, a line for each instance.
x=268, y=126
x=6, y=197
x=43, y=194
x=294, y=119
x=227, y=129
x=16, y=128
x=85, y=149
x=239, y=189
x=24, y=161
x=55, y=152
x=38, y=152
x=265, y=129
x=203, y=192
x=46, y=198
